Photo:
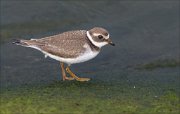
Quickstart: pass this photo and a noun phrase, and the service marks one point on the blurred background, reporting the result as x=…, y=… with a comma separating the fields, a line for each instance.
x=146, y=34
x=141, y=73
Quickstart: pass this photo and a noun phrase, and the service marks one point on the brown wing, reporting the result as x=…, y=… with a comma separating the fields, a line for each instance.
x=67, y=45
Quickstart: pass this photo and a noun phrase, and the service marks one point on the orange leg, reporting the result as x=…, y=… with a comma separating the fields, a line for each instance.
x=64, y=73
x=74, y=76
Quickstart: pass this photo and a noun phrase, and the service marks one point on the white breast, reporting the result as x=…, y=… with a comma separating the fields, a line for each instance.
x=87, y=55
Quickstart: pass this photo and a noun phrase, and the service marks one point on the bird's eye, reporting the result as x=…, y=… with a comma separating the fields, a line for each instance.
x=100, y=36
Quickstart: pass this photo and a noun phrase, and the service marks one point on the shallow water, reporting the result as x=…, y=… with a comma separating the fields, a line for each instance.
x=142, y=31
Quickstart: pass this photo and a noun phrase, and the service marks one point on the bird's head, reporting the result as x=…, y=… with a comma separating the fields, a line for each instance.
x=99, y=37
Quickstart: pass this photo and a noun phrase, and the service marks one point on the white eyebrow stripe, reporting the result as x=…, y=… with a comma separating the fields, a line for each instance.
x=96, y=34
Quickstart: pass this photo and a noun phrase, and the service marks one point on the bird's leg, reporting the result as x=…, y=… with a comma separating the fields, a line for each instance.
x=64, y=73
x=74, y=76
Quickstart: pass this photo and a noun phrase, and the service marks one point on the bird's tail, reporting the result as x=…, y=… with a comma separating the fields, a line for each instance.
x=20, y=42
x=28, y=43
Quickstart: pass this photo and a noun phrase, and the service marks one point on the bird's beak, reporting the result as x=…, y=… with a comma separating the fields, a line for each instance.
x=110, y=42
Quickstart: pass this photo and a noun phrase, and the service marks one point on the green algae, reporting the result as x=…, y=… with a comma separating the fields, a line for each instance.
x=166, y=63
x=90, y=97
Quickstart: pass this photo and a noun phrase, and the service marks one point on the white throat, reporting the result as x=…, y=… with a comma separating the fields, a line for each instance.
x=98, y=44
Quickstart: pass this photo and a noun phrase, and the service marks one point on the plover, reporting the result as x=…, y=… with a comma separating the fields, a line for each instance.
x=71, y=47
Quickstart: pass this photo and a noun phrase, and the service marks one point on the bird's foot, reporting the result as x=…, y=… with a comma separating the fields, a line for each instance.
x=75, y=77
x=82, y=79
x=68, y=78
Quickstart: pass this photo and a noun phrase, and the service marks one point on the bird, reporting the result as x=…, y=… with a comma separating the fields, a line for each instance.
x=71, y=47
